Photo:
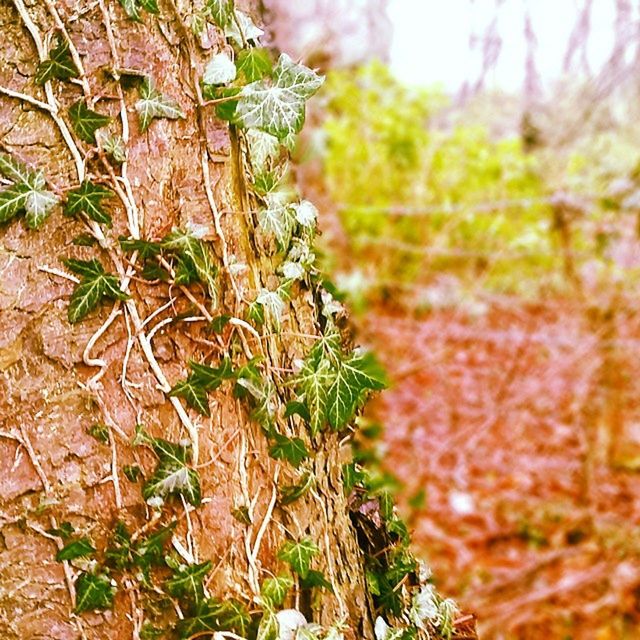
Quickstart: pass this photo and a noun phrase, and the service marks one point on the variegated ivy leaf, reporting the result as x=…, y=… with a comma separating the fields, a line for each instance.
x=18, y=172
x=277, y=220
x=243, y=25
x=86, y=122
x=274, y=590
x=277, y=105
x=306, y=213
x=173, y=474
x=58, y=65
x=424, y=606
x=113, y=146
x=220, y=70
x=273, y=306
x=153, y=104
x=38, y=205
x=221, y=11
x=263, y=149
x=292, y=270
x=269, y=629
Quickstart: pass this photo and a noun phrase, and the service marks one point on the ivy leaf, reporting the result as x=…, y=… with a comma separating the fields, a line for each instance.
x=194, y=393
x=314, y=379
x=76, y=549
x=316, y=579
x=58, y=65
x=273, y=305
x=293, y=450
x=145, y=248
x=243, y=25
x=38, y=204
x=354, y=376
x=187, y=582
x=299, y=555
x=263, y=149
x=269, y=628
x=220, y=70
x=276, y=220
x=173, y=475
x=219, y=322
x=93, y=591
x=221, y=11
x=113, y=146
x=150, y=550
x=64, y=531
x=210, y=378
x=212, y=615
x=86, y=122
x=277, y=105
x=12, y=201
x=87, y=198
x=153, y=104
x=254, y=64
x=94, y=285
x=293, y=492
x=274, y=590
x=18, y=172
x=132, y=8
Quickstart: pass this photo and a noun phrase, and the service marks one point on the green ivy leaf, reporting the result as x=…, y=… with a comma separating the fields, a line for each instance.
x=274, y=590
x=100, y=432
x=153, y=104
x=186, y=583
x=145, y=248
x=132, y=472
x=93, y=591
x=149, y=632
x=354, y=376
x=86, y=122
x=133, y=7
x=77, y=549
x=12, y=201
x=316, y=579
x=194, y=393
x=269, y=628
x=210, y=378
x=221, y=11
x=293, y=450
x=87, y=198
x=58, y=65
x=293, y=492
x=213, y=615
x=219, y=322
x=94, y=285
x=314, y=379
x=299, y=555
x=64, y=531
x=277, y=105
x=254, y=64
x=173, y=475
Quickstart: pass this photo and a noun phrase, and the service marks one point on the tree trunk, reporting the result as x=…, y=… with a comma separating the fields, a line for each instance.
x=73, y=394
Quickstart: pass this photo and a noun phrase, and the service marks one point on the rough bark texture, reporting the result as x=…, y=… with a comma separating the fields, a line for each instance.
x=52, y=470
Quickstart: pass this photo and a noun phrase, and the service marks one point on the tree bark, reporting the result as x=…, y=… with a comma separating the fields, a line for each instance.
x=54, y=386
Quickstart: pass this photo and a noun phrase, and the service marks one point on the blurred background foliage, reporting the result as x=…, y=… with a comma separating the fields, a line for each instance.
x=488, y=240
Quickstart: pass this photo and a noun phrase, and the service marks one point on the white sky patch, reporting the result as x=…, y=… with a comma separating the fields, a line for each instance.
x=431, y=40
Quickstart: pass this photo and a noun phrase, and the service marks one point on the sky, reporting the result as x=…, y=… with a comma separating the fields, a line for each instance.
x=431, y=39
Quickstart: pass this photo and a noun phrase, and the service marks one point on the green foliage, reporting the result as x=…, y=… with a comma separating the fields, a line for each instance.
x=93, y=591
x=213, y=615
x=293, y=450
x=77, y=549
x=277, y=105
x=64, y=530
x=87, y=199
x=58, y=65
x=274, y=590
x=316, y=579
x=86, y=122
x=291, y=493
x=133, y=8
x=220, y=11
x=95, y=285
x=202, y=380
x=299, y=555
x=26, y=195
x=254, y=64
x=186, y=583
x=332, y=384
x=153, y=104
x=100, y=432
x=173, y=475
